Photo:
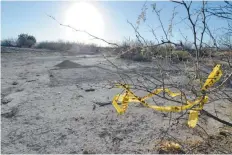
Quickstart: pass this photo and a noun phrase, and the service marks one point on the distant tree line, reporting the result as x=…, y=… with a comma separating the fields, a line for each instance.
x=23, y=40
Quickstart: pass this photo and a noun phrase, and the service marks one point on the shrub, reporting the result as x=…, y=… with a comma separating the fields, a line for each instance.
x=137, y=54
x=133, y=51
x=162, y=52
x=223, y=55
x=8, y=43
x=51, y=45
x=188, y=46
x=68, y=46
x=180, y=55
x=25, y=40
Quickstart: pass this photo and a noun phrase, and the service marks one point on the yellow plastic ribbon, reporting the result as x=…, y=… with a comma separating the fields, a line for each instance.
x=213, y=77
x=194, y=106
x=193, y=118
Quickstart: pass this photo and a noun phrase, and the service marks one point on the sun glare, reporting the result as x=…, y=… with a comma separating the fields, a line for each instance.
x=84, y=16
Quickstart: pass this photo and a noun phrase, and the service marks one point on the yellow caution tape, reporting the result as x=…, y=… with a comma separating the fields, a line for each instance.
x=213, y=77
x=193, y=118
x=194, y=106
x=157, y=91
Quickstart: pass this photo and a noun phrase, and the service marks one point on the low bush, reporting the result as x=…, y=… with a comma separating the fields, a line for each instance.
x=8, y=43
x=223, y=55
x=163, y=52
x=25, y=40
x=137, y=54
x=146, y=54
x=133, y=51
x=52, y=45
x=68, y=46
x=180, y=55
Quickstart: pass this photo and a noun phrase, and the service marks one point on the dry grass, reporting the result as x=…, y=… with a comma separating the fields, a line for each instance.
x=65, y=46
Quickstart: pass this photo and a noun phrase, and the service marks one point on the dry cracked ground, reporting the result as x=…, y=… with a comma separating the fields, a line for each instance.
x=49, y=105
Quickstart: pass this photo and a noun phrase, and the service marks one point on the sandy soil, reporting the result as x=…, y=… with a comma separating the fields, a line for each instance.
x=48, y=109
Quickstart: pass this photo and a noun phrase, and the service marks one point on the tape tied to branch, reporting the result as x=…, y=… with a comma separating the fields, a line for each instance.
x=193, y=106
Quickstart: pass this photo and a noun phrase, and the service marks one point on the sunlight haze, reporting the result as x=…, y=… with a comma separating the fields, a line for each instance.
x=85, y=17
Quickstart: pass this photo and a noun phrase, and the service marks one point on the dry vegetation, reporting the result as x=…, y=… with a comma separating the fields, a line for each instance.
x=183, y=69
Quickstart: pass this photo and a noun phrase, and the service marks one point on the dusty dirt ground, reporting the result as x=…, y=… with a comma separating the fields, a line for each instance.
x=52, y=109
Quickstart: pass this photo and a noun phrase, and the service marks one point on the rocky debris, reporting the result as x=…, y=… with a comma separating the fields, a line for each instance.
x=90, y=89
x=6, y=100
x=6, y=92
x=94, y=107
x=103, y=103
x=19, y=89
x=11, y=113
x=31, y=80
x=15, y=83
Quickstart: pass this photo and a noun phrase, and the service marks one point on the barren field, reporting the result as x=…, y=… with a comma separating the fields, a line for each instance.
x=49, y=104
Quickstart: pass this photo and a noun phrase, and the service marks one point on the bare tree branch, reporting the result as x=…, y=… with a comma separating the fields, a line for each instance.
x=215, y=118
x=95, y=37
x=203, y=22
x=138, y=35
x=161, y=23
